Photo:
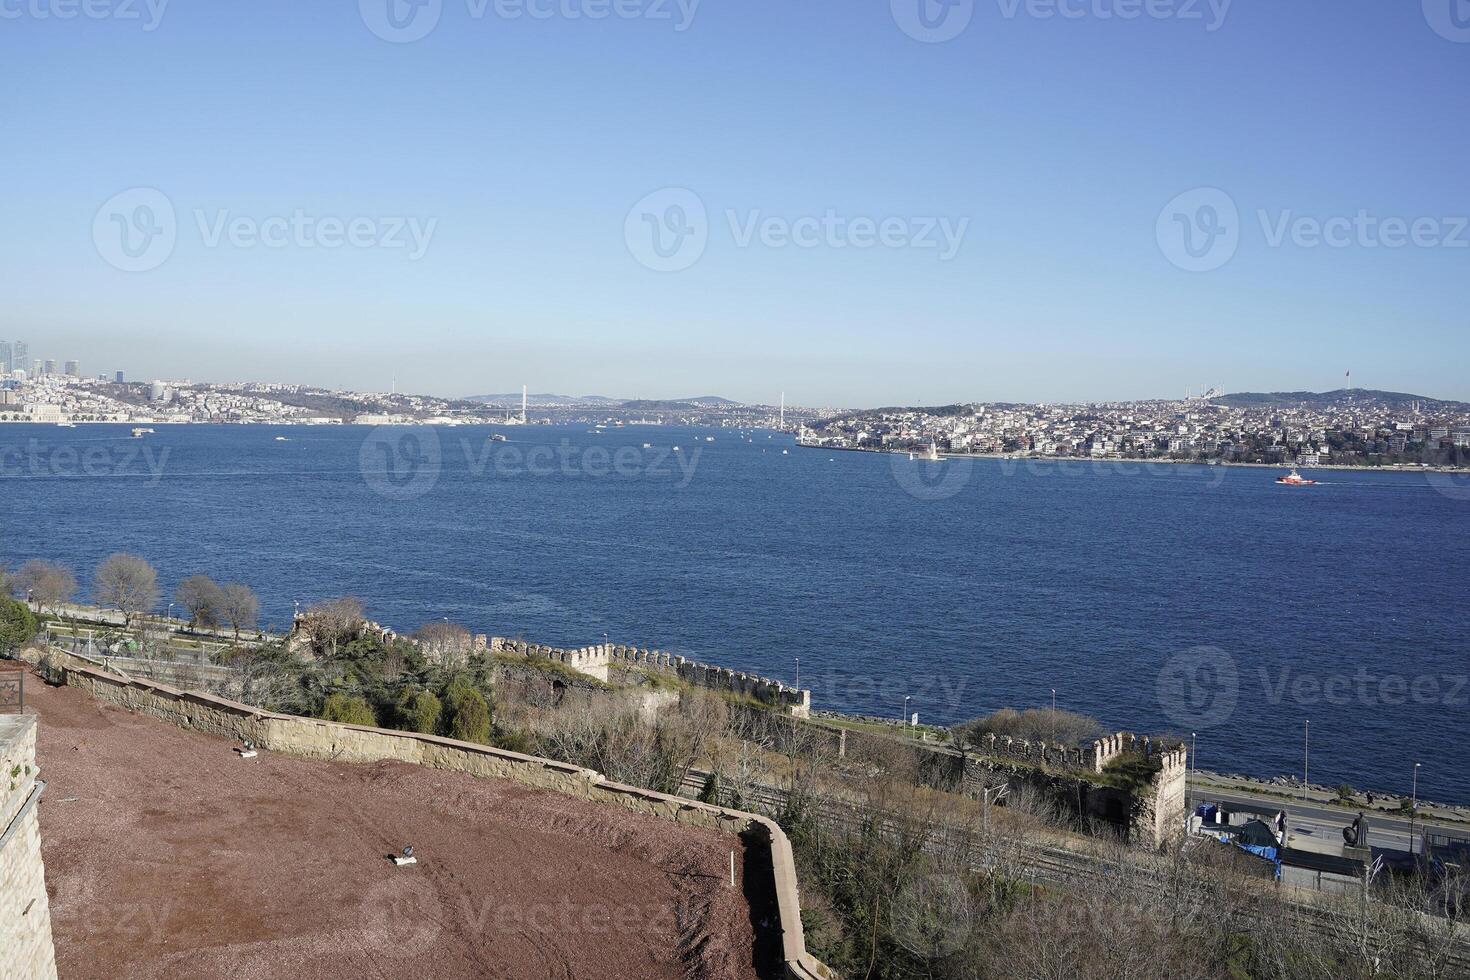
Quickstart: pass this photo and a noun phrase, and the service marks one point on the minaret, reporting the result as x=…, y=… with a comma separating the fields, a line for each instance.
x=783, y=409
x=524, y=390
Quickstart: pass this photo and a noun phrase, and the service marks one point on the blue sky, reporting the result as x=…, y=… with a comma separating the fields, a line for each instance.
x=1066, y=148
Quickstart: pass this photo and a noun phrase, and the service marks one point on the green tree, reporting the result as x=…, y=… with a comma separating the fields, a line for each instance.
x=469, y=719
x=17, y=624
x=349, y=709
x=419, y=711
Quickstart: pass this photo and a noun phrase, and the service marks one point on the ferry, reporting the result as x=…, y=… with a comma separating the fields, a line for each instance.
x=1295, y=479
x=66, y=424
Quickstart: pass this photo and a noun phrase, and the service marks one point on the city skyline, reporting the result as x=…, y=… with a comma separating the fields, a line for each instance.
x=13, y=353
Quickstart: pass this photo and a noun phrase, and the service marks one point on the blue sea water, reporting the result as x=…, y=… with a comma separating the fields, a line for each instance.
x=1158, y=598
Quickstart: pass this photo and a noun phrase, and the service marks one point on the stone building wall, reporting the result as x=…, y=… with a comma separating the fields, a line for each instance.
x=26, y=951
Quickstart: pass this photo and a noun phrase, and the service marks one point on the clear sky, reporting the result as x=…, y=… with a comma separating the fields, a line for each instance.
x=986, y=195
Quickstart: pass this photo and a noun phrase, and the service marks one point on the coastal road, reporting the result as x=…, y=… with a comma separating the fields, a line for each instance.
x=1324, y=823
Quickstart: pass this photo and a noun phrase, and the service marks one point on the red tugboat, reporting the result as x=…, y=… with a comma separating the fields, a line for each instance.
x=1295, y=479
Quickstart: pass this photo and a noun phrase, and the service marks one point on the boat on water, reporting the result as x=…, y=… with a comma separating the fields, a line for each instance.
x=1295, y=479
x=66, y=425
x=498, y=437
x=282, y=439
x=648, y=445
x=141, y=431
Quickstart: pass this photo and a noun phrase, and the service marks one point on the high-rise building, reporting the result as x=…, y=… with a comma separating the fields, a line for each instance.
x=7, y=362
x=50, y=366
x=73, y=369
x=119, y=378
x=20, y=356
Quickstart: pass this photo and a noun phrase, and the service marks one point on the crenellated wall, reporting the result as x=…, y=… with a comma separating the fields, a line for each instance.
x=1150, y=812
x=597, y=660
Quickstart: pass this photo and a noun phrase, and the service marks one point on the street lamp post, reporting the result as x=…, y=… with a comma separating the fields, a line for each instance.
x=798, y=673
x=1306, y=741
x=1413, y=807
x=906, y=711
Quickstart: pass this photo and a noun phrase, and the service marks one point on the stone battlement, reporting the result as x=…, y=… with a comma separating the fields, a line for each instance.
x=597, y=659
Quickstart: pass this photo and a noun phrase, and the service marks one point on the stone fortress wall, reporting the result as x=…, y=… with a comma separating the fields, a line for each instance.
x=1151, y=813
x=26, y=951
x=598, y=660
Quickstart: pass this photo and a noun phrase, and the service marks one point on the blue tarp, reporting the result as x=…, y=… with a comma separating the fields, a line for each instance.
x=1261, y=851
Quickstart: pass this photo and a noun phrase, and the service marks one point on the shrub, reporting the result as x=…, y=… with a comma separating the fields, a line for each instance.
x=349, y=709
x=419, y=712
x=1034, y=725
x=516, y=740
x=469, y=715
x=17, y=624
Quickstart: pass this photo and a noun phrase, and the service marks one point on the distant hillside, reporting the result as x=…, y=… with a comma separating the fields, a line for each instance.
x=1397, y=400
x=544, y=400
x=654, y=405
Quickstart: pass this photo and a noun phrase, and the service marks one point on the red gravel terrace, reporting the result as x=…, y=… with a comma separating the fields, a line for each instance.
x=167, y=855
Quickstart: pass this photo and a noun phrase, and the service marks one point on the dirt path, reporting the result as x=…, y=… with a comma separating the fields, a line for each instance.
x=167, y=856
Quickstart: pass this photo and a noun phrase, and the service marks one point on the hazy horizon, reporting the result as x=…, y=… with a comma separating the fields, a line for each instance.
x=882, y=205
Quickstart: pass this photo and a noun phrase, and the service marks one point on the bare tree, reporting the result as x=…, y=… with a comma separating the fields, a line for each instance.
x=328, y=624
x=203, y=599
x=47, y=584
x=239, y=606
x=128, y=583
x=447, y=643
